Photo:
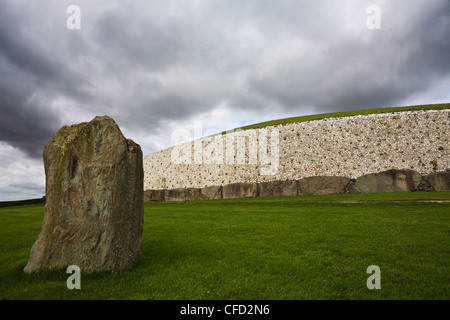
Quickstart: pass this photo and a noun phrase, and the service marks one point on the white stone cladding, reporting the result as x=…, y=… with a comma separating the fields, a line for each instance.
x=348, y=146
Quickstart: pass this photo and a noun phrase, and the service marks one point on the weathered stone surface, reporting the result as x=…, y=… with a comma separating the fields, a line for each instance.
x=94, y=200
x=323, y=185
x=439, y=180
x=349, y=185
x=178, y=194
x=387, y=181
x=240, y=190
x=192, y=194
x=154, y=195
x=278, y=188
x=210, y=193
x=424, y=186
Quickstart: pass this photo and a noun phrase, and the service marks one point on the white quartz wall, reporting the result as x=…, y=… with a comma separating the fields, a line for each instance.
x=348, y=146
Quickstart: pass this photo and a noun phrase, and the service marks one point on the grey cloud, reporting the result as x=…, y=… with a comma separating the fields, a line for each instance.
x=429, y=46
x=26, y=123
x=20, y=52
x=355, y=73
x=50, y=68
x=147, y=63
x=31, y=80
x=138, y=42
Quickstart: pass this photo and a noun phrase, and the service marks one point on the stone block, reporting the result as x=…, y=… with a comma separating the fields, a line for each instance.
x=387, y=181
x=278, y=188
x=240, y=190
x=154, y=195
x=440, y=181
x=177, y=194
x=323, y=185
x=191, y=194
x=211, y=192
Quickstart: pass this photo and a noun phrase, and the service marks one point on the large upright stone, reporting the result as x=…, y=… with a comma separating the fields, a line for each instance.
x=94, y=200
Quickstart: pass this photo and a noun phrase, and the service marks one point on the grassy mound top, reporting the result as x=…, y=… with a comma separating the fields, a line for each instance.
x=340, y=114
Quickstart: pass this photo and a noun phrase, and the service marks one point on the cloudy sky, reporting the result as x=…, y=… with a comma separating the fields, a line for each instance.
x=158, y=66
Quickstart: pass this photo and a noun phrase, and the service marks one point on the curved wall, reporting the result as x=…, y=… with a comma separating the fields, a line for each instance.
x=349, y=146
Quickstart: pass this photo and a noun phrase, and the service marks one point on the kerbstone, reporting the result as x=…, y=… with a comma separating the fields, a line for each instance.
x=387, y=181
x=240, y=190
x=177, y=194
x=154, y=195
x=278, y=188
x=440, y=181
x=323, y=185
x=211, y=193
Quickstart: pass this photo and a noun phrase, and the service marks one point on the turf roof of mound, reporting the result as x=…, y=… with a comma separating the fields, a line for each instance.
x=340, y=114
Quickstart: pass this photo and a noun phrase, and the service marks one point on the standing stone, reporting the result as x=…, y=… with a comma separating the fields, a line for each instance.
x=94, y=210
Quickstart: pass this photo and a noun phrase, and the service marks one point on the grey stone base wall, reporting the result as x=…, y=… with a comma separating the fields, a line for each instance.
x=386, y=181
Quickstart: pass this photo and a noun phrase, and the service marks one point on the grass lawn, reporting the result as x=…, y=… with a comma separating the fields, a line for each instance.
x=307, y=247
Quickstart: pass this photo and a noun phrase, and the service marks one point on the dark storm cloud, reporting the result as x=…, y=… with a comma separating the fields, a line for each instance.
x=407, y=56
x=41, y=59
x=428, y=45
x=139, y=41
x=19, y=52
x=157, y=65
x=31, y=80
x=25, y=123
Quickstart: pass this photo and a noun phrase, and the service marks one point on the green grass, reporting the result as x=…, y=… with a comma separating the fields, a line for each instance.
x=440, y=106
x=307, y=247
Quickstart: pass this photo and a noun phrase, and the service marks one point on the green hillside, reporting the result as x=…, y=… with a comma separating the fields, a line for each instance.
x=440, y=106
